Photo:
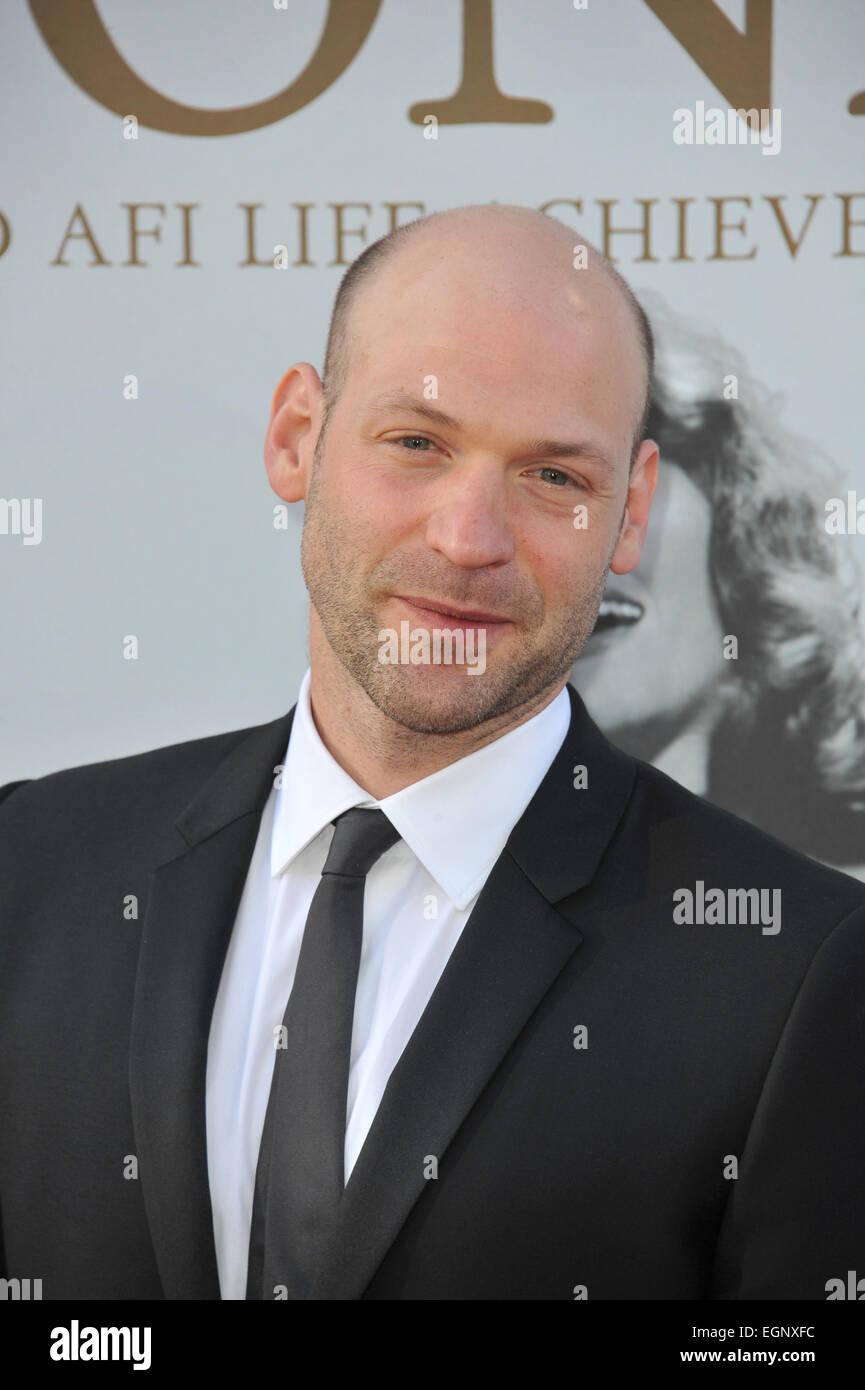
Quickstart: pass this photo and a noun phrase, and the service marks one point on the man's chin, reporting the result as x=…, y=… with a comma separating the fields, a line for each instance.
x=443, y=700
x=435, y=700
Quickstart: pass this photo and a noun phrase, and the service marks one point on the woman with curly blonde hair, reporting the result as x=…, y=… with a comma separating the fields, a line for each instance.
x=734, y=658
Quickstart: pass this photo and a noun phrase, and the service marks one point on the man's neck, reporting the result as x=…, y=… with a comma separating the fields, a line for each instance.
x=381, y=755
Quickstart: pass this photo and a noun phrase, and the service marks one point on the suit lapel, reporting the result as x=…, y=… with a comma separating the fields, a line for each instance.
x=511, y=950
x=191, y=908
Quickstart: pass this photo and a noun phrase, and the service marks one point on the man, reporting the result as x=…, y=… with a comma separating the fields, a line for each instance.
x=426, y=991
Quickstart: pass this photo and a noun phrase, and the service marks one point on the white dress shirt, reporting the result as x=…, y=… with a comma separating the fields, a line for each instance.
x=418, y=897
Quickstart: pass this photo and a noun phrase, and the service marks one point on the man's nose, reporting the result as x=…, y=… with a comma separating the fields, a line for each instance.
x=470, y=522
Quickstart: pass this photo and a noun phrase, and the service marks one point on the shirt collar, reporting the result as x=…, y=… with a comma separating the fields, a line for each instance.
x=456, y=821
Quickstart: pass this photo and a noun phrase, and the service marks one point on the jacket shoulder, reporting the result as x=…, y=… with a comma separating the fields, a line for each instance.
x=705, y=838
x=113, y=801
x=10, y=787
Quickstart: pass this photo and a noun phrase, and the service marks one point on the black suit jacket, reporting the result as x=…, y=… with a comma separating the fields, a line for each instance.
x=607, y=1168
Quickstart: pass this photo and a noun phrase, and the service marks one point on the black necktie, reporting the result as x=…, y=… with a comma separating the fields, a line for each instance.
x=300, y=1175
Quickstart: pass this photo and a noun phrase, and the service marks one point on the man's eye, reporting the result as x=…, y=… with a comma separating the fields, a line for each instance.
x=560, y=477
x=411, y=439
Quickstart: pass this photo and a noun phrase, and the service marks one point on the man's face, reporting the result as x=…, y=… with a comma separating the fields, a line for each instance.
x=417, y=520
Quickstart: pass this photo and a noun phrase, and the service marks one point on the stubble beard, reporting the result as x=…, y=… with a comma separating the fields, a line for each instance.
x=406, y=694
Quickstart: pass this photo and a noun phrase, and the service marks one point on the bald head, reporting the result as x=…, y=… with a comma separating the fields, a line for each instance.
x=523, y=256
x=482, y=392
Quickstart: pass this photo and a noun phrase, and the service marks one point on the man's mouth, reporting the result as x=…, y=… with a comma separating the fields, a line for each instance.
x=618, y=613
x=458, y=617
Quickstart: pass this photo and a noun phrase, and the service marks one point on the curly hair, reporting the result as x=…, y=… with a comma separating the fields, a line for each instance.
x=789, y=750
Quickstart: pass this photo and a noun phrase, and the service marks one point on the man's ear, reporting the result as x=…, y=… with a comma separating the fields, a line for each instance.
x=295, y=422
x=641, y=489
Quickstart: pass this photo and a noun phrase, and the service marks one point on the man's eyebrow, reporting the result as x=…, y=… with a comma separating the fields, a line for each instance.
x=540, y=448
x=571, y=449
x=416, y=405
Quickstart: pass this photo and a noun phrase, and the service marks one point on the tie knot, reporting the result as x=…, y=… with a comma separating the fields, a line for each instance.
x=360, y=838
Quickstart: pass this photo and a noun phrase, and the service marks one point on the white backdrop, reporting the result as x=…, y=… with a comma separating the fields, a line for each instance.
x=157, y=519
